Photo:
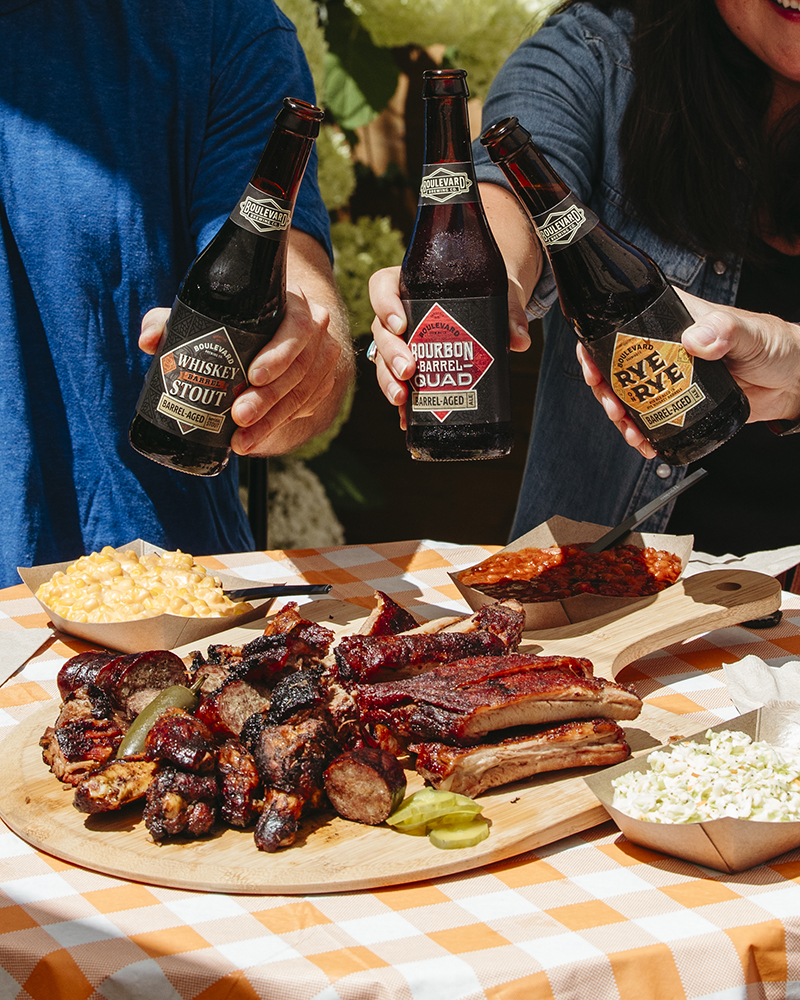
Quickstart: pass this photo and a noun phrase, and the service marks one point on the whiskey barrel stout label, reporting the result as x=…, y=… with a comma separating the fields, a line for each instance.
x=192, y=383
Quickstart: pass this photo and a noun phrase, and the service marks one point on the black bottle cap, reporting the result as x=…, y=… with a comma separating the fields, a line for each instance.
x=300, y=116
x=445, y=83
x=505, y=138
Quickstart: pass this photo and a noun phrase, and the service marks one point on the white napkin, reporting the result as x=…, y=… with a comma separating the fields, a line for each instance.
x=18, y=646
x=769, y=561
x=754, y=684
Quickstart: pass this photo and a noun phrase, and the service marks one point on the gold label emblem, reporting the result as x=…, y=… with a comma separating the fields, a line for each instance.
x=654, y=378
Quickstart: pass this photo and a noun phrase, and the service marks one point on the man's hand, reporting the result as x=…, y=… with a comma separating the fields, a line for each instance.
x=298, y=380
x=761, y=351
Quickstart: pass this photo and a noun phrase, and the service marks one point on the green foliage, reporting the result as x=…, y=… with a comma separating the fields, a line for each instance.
x=337, y=177
x=304, y=14
x=360, y=249
x=359, y=79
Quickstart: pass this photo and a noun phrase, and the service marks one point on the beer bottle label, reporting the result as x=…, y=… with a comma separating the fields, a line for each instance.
x=567, y=222
x=447, y=184
x=456, y=343
x=199, y=370
x=650, y=370
x=262, y=214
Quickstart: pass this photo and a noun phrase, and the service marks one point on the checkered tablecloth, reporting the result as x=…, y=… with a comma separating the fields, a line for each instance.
x=590, y=917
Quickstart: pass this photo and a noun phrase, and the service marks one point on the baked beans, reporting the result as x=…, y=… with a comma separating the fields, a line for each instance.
x=551, y=574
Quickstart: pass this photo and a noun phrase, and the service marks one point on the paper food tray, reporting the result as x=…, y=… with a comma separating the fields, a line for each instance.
x=161, y=632
x=563, y=531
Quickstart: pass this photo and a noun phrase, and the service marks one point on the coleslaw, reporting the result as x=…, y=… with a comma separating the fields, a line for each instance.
x=730, y=775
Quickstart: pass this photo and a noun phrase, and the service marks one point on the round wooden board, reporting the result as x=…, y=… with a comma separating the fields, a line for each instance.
x=334, y=855
x=330, y=855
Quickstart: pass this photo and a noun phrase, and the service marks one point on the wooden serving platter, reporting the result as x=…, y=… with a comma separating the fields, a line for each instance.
x=334, y=855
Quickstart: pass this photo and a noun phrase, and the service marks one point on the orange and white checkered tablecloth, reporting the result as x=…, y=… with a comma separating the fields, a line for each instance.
x=593, y=916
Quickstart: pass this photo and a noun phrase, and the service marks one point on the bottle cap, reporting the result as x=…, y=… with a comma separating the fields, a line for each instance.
x=505, y=138
x=445, y=83
x=299, y=116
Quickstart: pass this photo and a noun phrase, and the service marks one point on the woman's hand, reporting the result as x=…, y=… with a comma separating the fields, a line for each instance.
x=394, y=362
x=761, y=351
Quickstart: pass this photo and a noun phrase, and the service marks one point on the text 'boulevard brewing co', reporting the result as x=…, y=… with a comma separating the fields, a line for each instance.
x=454, y=288
x=624, y=311
x=228, y=307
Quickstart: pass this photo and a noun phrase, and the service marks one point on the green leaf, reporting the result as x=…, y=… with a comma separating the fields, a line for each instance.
x=360, y=78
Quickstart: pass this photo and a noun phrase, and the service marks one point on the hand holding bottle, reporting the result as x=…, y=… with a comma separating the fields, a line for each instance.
x=761, y=351
x=297, y=381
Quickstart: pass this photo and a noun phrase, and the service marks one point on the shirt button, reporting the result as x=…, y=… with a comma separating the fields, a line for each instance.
x=663, y=471
x=720, y=266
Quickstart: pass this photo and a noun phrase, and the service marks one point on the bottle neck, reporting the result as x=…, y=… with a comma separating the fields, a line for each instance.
x=282, y=165
x=447, y=130
x=534, y=181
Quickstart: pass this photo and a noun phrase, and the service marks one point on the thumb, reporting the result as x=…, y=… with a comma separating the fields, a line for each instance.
x=153, y=323
x=717, y=334
x=520, y=338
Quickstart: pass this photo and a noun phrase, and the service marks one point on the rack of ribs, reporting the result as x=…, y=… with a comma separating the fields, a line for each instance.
x=463, y=702
x=521, y=754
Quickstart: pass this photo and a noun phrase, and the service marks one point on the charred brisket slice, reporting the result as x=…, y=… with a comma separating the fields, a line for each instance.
x=181, y=739
x=114, y=785
x=296, y=697
x=387, y=618
x=366, y=659
x=462, y=703
x=180, y=803
x=365, y=785
x=521, y=754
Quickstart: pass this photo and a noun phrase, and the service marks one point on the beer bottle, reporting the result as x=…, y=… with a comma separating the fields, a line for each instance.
x=624, y=311
x=455, y=291
x=228, y=306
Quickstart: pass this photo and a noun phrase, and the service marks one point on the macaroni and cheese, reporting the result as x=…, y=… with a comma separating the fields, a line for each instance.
x=111, y=586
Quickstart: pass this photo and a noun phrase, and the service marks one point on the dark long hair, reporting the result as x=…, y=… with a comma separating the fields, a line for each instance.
x=695, y=148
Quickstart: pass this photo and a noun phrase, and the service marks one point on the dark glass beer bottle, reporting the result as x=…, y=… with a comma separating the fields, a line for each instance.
x=624, y=311
x=454, y=288
x=227, y=308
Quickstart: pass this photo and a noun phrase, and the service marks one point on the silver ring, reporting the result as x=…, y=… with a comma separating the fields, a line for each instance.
x=372, y=352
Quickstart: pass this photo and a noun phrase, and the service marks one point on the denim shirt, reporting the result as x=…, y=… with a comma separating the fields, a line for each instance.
x=569, y=85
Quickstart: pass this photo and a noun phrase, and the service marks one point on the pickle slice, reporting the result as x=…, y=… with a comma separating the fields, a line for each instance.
x=459, y=835
x=428, y=805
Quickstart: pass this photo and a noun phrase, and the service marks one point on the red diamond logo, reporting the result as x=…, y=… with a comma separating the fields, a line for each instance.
x=450, y=362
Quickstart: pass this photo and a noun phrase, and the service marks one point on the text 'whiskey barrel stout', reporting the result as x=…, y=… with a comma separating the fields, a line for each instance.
x=228, y=307
x=454, y=288
x=624, y=311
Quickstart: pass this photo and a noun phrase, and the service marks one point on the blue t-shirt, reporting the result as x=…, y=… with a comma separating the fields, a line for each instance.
x=127, y=131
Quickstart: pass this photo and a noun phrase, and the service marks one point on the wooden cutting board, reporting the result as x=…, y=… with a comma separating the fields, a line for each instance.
x=333, y=855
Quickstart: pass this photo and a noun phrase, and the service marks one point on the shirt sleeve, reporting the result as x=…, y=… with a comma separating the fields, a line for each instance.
x=257, y=62
x=561, y=85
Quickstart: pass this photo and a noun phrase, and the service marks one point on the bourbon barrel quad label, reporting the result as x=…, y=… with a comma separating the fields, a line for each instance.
x=452, y=380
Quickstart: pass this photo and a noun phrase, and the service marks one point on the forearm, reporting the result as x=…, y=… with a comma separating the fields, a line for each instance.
x=516, y=239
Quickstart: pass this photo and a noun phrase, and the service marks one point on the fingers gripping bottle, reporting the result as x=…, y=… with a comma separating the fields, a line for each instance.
x=454, y=288
x=227, y=308
x=624, y=311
